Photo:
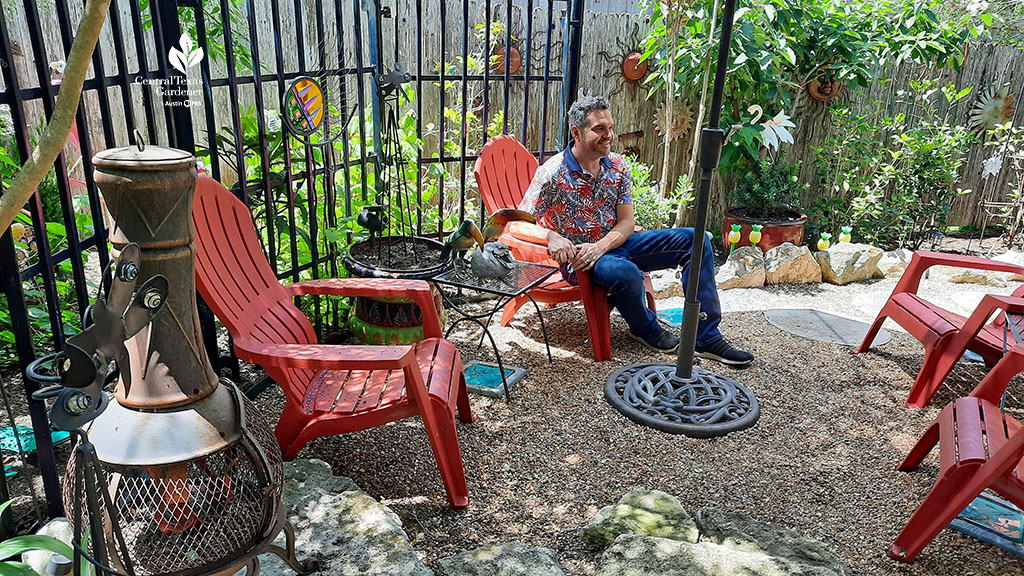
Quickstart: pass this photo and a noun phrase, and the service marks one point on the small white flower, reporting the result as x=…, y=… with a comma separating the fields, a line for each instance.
x=991, y=166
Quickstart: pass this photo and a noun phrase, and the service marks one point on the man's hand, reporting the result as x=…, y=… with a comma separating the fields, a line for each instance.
x=560, y=249
x=586, y=256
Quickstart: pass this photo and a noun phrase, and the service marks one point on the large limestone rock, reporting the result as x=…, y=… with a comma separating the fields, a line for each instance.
x=790, y=264
x=645, y=512
x=741, y=532
x=1012, y=257
x=958, y=275
x=847, y=262
x=339, y=524
x=893, y=263
x=743, y=269
x=513, y=559
x=58, y=528
x=667, y=283
x=634, y=555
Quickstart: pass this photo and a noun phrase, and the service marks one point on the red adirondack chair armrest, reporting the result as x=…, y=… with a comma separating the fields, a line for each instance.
x=416, y=290
x=326, y=356
x=989, y=304
x=993, y=385
x=923, y=260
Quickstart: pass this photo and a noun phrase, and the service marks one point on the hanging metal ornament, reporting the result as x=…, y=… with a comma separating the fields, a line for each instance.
x=995, y=106
x=628, y=64
x=682, y=120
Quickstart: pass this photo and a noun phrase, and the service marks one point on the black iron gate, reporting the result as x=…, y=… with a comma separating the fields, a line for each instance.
x=475, y=68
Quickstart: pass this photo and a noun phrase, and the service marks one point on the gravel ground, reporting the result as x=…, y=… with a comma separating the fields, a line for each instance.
x=820, y=460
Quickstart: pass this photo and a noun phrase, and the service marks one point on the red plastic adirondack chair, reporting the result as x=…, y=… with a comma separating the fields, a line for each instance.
x=946, y=335
x=979, y=448
x=328, y=389
x=503, y=172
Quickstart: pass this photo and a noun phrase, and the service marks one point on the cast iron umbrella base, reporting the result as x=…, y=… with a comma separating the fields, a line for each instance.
x=705, y=406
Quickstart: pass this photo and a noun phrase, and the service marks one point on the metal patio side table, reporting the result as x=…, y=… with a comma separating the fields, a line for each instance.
x=525, y=277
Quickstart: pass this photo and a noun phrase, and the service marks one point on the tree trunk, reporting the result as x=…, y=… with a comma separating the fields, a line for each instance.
x=57, y=129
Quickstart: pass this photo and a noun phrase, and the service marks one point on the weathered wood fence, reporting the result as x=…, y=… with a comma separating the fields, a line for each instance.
x=607, y=37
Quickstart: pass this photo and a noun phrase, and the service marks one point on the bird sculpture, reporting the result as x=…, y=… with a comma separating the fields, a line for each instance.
x=496, y=223
x=462, y=240
x=373, y=219
x=493, y=261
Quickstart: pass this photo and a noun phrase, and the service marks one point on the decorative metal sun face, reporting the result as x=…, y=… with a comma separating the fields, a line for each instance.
x=628, y=65
x=681, y=124
x=993, y=107
x=824, y=91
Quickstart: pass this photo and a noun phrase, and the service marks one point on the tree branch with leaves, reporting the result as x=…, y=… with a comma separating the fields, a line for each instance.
x=51, y=143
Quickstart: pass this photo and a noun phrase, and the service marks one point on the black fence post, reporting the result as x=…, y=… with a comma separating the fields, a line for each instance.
x=571, y=81
x=168, y=30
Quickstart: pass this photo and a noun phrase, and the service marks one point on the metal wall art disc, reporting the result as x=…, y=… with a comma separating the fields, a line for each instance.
x=303, y=104
x=633, y=68
x=707, y=406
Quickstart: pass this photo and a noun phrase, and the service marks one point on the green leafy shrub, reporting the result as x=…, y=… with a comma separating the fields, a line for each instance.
x=771, y=190
x=651, y=209
x=892, y=178
x=14, y=547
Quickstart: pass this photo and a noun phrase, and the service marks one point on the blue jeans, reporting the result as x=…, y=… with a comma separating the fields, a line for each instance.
x=621, y=273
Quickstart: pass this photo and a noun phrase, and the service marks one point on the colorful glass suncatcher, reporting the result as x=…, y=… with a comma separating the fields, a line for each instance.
x=304, y=106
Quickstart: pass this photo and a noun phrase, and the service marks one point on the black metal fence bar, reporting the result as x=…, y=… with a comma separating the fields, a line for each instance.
x=142, y=58
x=527, y=54
x=465, y=96
x=286, y=144
x=546, y=82
x=305, y=166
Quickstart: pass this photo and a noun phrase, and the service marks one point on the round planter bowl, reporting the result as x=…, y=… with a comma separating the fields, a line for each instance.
x=773, y=232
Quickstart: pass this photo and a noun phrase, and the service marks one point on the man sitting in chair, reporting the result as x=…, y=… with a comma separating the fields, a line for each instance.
x=583, y=197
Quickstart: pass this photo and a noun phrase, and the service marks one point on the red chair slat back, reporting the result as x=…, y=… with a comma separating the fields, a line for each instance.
x=233, y=275
x=503, y=172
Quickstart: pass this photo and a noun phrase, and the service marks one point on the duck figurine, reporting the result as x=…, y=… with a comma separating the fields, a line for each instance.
x=493, y=261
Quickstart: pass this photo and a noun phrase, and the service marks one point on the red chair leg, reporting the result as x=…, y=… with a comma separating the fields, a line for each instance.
x=928, y=441
x=511, y=308
x=289, y=428
x=952, y=493
x=462, y=400
x=926, y=383
x=649, y=291
x=872, y=332
x=445, y=444
x=595, y=305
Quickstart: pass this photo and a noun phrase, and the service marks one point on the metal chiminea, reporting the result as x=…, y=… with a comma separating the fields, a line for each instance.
x=192, y=468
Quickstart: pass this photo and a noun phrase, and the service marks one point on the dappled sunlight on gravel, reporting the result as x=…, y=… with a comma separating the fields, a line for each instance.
x=821, y=460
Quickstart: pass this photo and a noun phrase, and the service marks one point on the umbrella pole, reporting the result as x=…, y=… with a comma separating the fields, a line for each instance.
x=712, y=138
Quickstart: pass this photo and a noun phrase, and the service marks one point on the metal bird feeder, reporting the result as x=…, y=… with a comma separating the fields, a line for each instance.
x=679, y=398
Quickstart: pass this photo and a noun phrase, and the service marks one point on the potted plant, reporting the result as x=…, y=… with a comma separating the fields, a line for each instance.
x=768, y=194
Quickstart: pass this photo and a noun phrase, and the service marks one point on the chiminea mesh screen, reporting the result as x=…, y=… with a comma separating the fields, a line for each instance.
x=194, y=516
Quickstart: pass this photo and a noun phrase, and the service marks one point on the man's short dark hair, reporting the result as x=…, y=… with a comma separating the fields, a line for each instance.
x=581, y=109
